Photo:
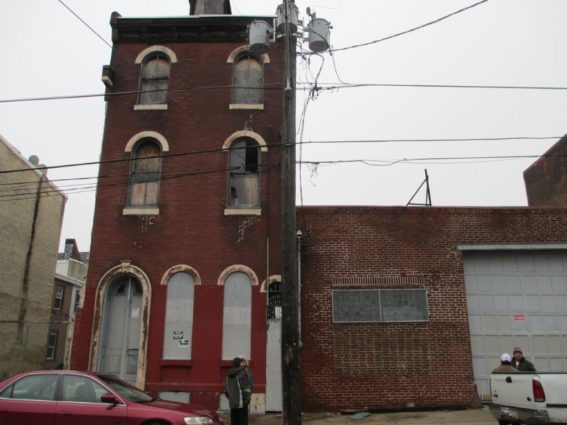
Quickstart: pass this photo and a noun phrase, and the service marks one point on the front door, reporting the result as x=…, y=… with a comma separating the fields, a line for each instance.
x=274, y=350
x=121, y=328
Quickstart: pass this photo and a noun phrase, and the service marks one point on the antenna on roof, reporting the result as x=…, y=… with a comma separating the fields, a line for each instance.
x=427, y=193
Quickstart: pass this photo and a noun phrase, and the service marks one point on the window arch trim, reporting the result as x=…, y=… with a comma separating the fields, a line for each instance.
x=180, y=268
x=238, y=268
x=162, y=141
x=263, y=58
x=245, y=133
x=156, y=49
x=124, y=268
x=267, y=282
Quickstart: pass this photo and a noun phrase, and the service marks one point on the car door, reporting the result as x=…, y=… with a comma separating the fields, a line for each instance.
x=80, y=403
x=29, y=400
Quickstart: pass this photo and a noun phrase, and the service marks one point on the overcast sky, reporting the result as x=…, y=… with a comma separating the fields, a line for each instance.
x=49, y=52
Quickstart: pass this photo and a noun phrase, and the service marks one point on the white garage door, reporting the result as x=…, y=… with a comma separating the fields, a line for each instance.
x=516, y=299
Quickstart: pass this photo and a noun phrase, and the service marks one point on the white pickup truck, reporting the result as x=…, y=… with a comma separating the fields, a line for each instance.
x=533, y=398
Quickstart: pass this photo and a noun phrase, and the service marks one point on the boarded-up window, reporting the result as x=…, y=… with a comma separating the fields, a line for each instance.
x=145, y=175
x=379, y=305
x=237, y=316
x=248, y=81
x=154, y=80
x=244, y=178
x=178, y=333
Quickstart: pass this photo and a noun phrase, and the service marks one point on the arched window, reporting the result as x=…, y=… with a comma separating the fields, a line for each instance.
x=243, y=174
x=247, y=80
x=145, y=174
x=154, y=79
x=178, y=330
x=237, y=316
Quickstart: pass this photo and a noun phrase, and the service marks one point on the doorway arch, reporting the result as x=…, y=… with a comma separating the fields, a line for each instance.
x=123, y=297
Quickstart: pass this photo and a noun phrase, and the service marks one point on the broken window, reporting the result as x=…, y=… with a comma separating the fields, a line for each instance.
x=244, y=176
x=247, y=81
x=145, y=175
x=154, y=80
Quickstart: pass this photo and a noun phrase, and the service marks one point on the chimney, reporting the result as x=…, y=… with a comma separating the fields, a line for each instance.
x=209, y=7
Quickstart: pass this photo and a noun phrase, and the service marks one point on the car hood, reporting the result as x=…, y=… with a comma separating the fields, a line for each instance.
x=192, y=409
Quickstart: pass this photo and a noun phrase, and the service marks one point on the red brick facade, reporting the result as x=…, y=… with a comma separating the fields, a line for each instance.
x=546, y=179
x=398, y=365
x=191, y=227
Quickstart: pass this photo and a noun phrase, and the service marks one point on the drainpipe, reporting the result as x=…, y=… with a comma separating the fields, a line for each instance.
x=299, y=237
x=26, y=278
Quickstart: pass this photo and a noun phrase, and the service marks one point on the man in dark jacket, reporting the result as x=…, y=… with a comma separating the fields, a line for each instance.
x=238, y=391
x=520, y=362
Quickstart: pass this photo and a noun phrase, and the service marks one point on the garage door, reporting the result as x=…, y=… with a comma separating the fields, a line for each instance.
x=516, y=299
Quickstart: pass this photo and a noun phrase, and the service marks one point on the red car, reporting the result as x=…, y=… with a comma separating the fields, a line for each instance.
x=65, y=397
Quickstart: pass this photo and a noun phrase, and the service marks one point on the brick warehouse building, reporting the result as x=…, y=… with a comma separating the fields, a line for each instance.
x=186, y=248
x=407, y=307
x=401, y=307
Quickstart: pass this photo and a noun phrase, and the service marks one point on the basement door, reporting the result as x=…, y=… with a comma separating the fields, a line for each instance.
x=121, y=328
x=274, y=396
x=516, y=299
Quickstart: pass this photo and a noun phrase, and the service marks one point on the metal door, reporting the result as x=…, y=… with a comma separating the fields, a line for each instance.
x=274, y=350
x=121, y=328
x=516, y=299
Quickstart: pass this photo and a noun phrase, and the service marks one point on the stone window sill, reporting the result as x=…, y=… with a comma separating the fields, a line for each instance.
x=140, y=211
x=157, y=107
x=243, y=211
x=247, y=106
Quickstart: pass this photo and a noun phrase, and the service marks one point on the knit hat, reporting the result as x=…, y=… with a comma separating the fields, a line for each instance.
x=505, y=357
x=236, y=361
x=517, y=350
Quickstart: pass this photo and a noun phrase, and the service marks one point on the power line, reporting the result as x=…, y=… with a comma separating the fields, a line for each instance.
x=268, y=86
x=221, y=149
x=411, y=29
x=467, y=139
x=331, y=86
x=87, y=25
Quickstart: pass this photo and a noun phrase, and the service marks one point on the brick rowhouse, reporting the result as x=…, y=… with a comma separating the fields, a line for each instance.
x=192, y=231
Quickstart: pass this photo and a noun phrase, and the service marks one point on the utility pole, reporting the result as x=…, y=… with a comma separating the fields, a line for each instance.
x=289, y=288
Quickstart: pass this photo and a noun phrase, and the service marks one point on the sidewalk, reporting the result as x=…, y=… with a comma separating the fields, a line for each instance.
x=445, y=417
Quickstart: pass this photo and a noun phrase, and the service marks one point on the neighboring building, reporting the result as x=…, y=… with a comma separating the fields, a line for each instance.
x=407, y=307
x=185, y=250
x=70, y=277
x=31, y=213
x=546, y=179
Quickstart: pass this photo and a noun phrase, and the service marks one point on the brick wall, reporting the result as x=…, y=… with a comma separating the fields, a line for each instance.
x=398, y=365
x=191, y=227
x=546, y=179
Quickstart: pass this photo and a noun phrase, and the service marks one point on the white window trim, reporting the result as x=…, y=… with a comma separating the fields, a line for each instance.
x=140, y=211
x=156, y=107
x=243, y=211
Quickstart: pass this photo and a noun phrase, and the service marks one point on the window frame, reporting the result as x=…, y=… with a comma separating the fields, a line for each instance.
x=244, y=170
x=239, y=93
x=58, y=298
x=52, y=347
x=140, y=177
x=143, y=104
x=379, y=291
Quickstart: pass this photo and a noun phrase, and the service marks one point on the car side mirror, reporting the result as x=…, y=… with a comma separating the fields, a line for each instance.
x=109, y=399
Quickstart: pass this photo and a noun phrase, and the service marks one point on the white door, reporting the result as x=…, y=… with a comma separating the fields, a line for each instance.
x=121, y=328
x=516, y=299
x=274, y=350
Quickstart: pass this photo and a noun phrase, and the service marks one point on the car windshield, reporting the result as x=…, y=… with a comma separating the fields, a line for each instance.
x=126, y=390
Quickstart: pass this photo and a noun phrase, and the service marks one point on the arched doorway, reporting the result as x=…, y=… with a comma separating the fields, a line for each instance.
x=121, y=324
